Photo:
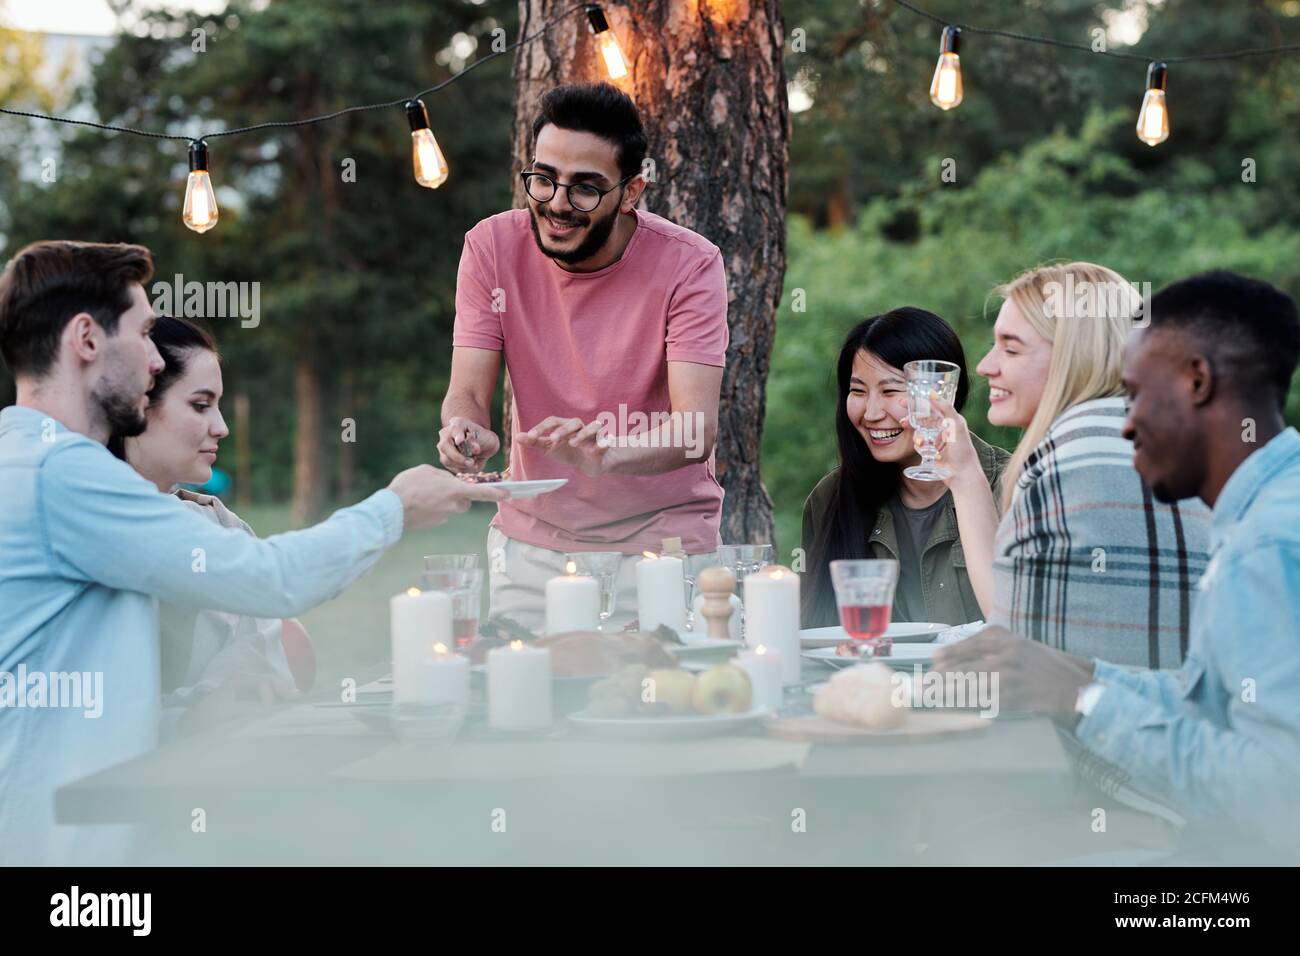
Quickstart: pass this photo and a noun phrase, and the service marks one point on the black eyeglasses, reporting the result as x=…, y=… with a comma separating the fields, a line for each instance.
x=583, y=197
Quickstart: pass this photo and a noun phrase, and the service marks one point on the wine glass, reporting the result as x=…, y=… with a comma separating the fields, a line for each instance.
x=924, y=377
x=450, y=562
x=603, y=566
x=864, y=593
x=743, y=560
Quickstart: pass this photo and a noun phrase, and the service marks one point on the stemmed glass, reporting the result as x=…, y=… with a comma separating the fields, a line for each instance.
x=864, y=593
x=924, y=377
x=450, y=562
x=603, y=566
x=743, y=560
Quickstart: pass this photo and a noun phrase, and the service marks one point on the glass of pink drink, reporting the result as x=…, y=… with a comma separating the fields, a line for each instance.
x=864, y=592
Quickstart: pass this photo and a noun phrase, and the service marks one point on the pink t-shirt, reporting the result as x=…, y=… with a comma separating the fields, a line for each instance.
x=581, y=345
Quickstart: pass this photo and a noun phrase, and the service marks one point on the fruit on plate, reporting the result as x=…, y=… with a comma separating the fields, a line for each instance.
x=674, y=689
x=723, y=689
x=867, y=695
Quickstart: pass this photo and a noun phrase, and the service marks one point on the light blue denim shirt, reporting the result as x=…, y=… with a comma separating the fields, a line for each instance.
x=1219, y=740
x=87, y=548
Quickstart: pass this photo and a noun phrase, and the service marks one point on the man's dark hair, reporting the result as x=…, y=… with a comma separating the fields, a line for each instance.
x=1248, y=328
x=47, y=283
x=601, y=109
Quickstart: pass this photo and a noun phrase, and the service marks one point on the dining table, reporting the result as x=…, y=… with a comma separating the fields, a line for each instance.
x=323, y=782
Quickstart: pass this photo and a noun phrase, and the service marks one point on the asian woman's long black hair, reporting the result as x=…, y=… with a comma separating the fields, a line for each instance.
x=861, y=485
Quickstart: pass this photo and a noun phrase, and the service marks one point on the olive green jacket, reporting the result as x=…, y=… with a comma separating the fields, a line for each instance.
x=945, y=584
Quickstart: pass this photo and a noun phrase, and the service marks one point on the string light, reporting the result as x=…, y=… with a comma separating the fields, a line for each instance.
x=607, y=43
x=1153, y=117
x=430, y=166
x=200, y=210
x=945, y=88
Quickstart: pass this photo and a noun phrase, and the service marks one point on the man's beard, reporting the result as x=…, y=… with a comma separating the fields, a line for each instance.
x=120, y=410
x=597, y=235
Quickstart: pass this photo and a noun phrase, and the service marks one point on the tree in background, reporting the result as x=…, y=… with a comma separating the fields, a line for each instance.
x=708, y=80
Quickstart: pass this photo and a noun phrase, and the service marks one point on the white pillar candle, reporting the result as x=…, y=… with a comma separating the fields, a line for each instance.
x=772, y=615
x=446, y=677
x=765, y=677
x=417, y=621
x=661, y=592
x=519, y=687
x=702, y=626
x=572, y=602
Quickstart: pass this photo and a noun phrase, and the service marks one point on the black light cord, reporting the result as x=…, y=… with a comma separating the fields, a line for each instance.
x=1118, y=54
x=282, y=124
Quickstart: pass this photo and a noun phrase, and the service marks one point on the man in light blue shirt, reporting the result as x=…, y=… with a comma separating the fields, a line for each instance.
x=1218, y=740
x=88, y=546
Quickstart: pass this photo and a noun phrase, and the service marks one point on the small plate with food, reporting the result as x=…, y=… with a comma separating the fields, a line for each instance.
x=517, y=489
x=901, y=632
x=850, y=652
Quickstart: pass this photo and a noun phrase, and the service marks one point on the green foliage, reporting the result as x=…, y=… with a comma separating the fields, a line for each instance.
x=1063, y=197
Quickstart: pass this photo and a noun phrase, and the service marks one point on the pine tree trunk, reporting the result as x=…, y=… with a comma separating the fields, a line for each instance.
x=709, y=80
x=307, y=486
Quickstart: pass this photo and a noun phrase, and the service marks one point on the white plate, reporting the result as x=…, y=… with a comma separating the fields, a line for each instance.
x=902, y=655
x=531, y=489
x=903, y=632
x=704, y=649
x=668, y=728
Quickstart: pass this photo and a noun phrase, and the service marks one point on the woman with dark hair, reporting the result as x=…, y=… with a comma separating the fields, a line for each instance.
x=204, y=650
x=867, y=507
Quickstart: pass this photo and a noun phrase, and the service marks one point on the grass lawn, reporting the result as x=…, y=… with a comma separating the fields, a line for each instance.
x=351, y=632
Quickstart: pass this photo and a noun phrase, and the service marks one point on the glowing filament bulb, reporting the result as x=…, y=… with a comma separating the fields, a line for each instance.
x=945, y=88
x=607, y=43
x=200, y=209
x=426, y=157
x=1153, y=118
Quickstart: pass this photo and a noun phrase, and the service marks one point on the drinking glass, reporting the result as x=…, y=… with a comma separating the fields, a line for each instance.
x=864, y=593
x=450, y=562
x=465, y=588
x=603, y=566
x=743, y=560
x=924, y=377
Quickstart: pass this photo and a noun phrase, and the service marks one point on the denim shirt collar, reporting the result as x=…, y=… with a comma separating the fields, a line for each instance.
x=1251, y=476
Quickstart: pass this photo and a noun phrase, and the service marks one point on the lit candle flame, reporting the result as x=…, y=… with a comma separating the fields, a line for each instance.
x=571, y=568
x=413, y=592
x=761, y=649
x=776, y=574
x=650, y=555
x=516, y=645
x=440, y=648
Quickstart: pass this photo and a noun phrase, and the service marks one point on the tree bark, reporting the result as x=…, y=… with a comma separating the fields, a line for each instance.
x=307, y=486
x=709, y=80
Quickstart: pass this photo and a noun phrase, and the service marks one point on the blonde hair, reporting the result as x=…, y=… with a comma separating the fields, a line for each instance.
x=1086, y=312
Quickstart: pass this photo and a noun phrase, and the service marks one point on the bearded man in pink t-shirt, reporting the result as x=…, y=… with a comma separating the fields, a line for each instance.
x=613, y=325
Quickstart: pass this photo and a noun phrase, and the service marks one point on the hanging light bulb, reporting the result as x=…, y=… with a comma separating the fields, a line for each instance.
x=945, y=88
x=430, y=166
x=200, y=210
x=607, y=43
x=1153, y=118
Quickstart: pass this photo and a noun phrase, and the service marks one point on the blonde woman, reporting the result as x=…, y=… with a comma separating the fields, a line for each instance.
x=1084, y=558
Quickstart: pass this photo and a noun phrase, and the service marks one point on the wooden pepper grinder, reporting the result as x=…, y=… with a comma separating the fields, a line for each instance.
x=717, y=586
